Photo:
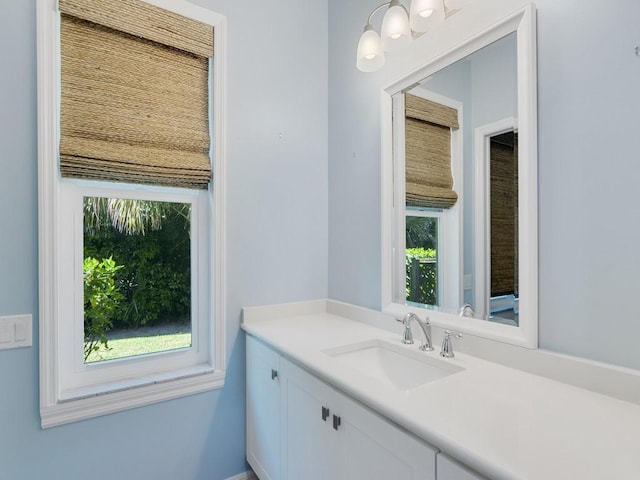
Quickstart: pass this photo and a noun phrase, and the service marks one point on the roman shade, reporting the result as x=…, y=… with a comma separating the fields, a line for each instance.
x=504, y=214
x=134, y=101
x=428, y=178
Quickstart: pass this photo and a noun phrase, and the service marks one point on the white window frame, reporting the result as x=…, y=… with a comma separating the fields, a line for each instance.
x=71, y=390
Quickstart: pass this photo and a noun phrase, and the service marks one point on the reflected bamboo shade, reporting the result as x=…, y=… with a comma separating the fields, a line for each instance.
x=428, y=179
x=432, y=112
x=504, y=214
x=133, y=109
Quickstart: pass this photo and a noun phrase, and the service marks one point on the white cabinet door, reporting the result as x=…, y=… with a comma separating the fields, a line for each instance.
x=374, y=449
x=351, y=443
x=449, y=469
x=300, y=428
x=263, y=410
x=309, y=444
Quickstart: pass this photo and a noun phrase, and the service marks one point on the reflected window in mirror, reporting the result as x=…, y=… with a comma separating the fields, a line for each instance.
x=423, y=285
x=429, y=146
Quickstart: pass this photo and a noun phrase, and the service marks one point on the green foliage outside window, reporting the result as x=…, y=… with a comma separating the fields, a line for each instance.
x=151, y=241
x=101, y=300
x=421, y=276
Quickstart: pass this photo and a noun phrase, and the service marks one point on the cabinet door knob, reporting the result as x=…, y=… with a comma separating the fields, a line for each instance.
x=336, y=422
x=274, y=374
x=325, y=413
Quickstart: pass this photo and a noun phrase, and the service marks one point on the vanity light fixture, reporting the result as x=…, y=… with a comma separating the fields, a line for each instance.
x=426, y=14
x=395, y=30
x=398, y=27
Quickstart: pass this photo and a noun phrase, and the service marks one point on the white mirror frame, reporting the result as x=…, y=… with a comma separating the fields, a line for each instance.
x=465, y=32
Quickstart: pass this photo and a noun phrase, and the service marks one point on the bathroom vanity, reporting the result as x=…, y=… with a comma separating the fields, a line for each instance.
x=314, y=431
x=335, y=397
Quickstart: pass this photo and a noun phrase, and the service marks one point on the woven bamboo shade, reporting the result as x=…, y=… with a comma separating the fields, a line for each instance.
x=144, y=20
x=432, y=112
x=428, y=178
x=133, y=109
x=504, y=214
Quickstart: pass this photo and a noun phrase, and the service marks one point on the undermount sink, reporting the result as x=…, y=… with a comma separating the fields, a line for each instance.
x=393, y=365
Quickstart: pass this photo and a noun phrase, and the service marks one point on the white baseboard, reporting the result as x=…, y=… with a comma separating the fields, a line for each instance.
x=244, y=476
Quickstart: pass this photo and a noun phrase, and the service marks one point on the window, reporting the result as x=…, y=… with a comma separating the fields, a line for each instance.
x=136, y=272
x=131, y=227
x=424, y=252
x=427, y=175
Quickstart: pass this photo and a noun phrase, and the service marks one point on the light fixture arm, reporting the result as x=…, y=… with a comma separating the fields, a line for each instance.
x=376, y=10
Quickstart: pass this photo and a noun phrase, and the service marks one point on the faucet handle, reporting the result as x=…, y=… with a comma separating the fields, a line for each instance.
x=407, y=335
x=447, y=344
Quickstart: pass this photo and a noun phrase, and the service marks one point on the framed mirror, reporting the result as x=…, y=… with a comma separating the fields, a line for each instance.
x=459, y=177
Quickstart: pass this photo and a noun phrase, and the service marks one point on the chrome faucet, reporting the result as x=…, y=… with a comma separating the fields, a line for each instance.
x=447, y=344
x=407, y=336
x=466, y=310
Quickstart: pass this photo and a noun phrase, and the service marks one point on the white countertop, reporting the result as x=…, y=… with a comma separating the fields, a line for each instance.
x=500, y=421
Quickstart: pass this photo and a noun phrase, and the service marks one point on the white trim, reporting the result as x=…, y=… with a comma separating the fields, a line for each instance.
x=482, y=204
x=528, y=176
x=94, y=406
x=249, y=475
x=48, y=54
x=219, y=137
x=77, y=378
x=399, y=197
x=389, y=208
x=472, y=28
x=55, y=408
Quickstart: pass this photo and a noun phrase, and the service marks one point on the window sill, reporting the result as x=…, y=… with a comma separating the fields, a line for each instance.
x=83, y=404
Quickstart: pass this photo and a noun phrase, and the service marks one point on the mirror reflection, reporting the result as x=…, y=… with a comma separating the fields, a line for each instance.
x=457, y=139
x=503, y=227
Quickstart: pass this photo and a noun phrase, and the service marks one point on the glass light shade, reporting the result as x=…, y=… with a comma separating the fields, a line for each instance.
x=457, y=4
x=396, y=33
x=426, y=14
x=370, y=54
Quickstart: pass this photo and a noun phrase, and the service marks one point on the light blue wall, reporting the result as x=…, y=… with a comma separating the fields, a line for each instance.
x=494, y=82
x=589, y=149
x=277, y=245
